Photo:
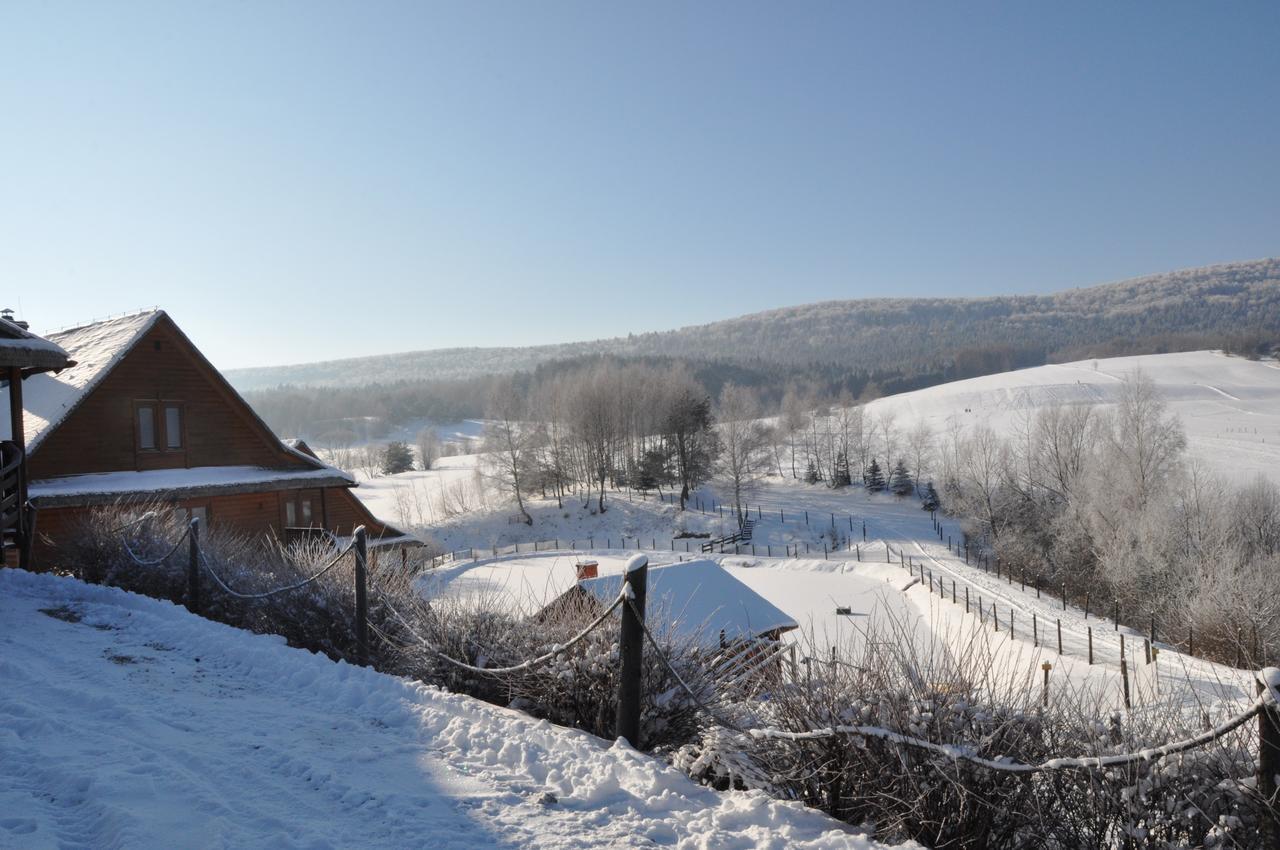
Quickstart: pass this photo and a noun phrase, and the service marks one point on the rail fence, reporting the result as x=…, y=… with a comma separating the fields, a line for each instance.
x=635, y=633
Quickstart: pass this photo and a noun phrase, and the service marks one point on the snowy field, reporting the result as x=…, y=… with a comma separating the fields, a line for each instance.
x=1229, y=406
x=129, y=723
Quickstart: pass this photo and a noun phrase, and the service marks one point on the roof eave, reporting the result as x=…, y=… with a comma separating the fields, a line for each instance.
x=82, y=500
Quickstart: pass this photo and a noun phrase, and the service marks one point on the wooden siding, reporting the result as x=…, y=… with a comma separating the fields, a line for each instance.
x=256, y=515
x=98, y=436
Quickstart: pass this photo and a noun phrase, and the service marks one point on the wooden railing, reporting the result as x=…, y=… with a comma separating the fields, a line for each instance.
x=10, y=486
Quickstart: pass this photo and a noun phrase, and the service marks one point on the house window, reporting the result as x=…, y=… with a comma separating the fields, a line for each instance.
x=173, y=426
x=146, y=427
x=159, y=426
x=300, y=511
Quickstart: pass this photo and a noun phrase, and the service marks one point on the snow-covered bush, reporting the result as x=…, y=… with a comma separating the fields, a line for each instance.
x=575, y=688
x=320, y=616
x=949, y=692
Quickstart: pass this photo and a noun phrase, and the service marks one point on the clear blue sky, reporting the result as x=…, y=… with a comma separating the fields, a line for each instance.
x=302, y=181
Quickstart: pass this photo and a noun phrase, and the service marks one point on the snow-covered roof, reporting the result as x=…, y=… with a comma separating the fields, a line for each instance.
x=20, y=347
x=47, y=399
x=695, y=598
x=106, y=487
x=699, y=601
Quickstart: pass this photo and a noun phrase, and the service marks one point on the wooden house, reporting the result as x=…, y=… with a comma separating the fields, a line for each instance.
x=142, y=416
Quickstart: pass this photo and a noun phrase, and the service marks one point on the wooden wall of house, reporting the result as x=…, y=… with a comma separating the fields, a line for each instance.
x=345, y=512
x=98, y=436
x=252, y=514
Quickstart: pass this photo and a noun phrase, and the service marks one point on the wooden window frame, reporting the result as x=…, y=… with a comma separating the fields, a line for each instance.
x=159, y=426
x=181, y=406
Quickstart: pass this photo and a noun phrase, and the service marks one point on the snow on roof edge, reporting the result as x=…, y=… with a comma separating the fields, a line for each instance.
x=96, y=378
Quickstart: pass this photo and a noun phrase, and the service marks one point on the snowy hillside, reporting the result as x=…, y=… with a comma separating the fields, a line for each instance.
x=1229, y=406
x=876, y=334
x=130, y=723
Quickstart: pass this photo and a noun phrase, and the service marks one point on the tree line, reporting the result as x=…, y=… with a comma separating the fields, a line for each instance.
x=1105, y=503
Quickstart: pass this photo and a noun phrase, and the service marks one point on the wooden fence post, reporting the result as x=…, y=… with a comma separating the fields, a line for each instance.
x=1059, y=636
x=966, y=599
x=193, y=566
x=1124, y=681
x=1269, y=765
x=1091, y=646
x=1044, y=699
x=362, y=601
x=1035, y=631
x=631, y=650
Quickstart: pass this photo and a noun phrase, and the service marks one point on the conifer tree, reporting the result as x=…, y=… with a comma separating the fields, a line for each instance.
x=931, y=501
x=901, y=482
x=811, y=473
x=840, y=477
x=874, y=478
x=396, y=458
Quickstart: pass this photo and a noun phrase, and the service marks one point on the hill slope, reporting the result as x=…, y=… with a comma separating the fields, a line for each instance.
x=876, y=334
x=1229, y=406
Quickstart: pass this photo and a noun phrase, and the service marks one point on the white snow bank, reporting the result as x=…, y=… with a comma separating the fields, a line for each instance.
x=143, y=726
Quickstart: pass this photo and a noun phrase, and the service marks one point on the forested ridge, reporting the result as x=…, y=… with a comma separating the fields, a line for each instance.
x=864, y=347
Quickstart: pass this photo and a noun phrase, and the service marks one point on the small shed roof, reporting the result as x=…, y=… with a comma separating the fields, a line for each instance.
x=696, y=599
x=20, y=347
x=699, y=600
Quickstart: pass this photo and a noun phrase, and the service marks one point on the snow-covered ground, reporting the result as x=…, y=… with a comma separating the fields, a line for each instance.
x=128, y=723
x=1229, y=406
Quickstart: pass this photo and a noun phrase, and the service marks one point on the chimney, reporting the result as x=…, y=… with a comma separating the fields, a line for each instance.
x=7, y=315
x=588, y=569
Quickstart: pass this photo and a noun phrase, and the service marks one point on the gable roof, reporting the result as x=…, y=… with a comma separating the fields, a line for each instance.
x=20, y=347
x=98, y=348
x=692, y=599
x=697, y=601
x=48, y=399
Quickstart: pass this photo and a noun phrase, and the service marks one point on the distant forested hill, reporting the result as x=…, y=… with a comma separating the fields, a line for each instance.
x=948, y=337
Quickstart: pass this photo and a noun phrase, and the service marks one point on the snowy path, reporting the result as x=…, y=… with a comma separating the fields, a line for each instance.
x=126, y=722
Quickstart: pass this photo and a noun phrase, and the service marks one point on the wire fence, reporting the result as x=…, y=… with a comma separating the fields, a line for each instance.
x=635, y=632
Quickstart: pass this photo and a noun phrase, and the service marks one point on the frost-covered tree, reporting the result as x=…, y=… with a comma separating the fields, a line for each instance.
x=901, y=481
x=930, y=501
x=396, y=458
x=744, y=444
x=689, y=430
x=428, y=447
x=508, y=447
x=874, y=479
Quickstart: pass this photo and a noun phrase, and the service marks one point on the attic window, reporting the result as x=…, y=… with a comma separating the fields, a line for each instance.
x=146, y=427
x=173, y=426
x=159, y=426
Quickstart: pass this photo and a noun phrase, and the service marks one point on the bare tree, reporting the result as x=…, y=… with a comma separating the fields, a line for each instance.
x=428, y=444
x=744, y=444
x=507, y=443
